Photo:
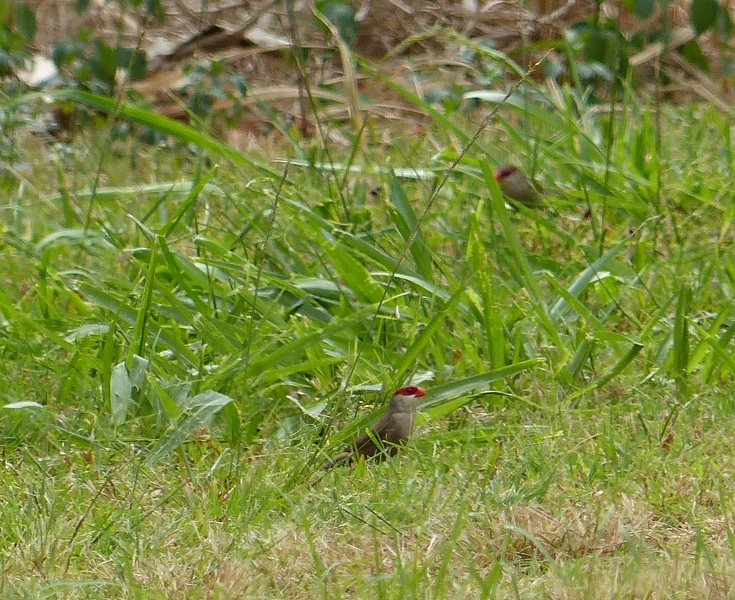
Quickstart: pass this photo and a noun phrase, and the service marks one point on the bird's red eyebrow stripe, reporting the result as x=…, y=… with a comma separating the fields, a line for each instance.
x=411, y=390
x=503, y=172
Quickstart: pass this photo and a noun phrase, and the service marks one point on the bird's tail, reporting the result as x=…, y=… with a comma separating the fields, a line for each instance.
x=337, y=460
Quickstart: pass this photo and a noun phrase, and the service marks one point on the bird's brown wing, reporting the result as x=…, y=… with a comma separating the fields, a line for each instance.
x=379, y=440
x=366, y=445
x=369, y=443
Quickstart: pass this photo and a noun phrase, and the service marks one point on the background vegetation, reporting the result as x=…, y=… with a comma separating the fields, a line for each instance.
x=187, y=330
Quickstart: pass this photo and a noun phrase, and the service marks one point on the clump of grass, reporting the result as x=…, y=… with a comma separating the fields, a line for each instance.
x=182, y=349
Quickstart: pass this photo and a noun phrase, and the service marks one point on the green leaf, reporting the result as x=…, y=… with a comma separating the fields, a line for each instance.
x=724, y=26
x=681, y=335
x=199, y=413
x=138, y=341
x=412, y=353
x=63, y=52
x=616, y=369
x=103, y=62
x=719, y=347
x=409, y=227
x=233, y=423
x=133, y=61
x=125, y=312
x=121, y=393
x=155, y=9
x=356, y=277
x=24, y=404
x=703, y=14
x=580, y=283
x=521, y=105
x=483, y=268
x=70, y=237
x=267, y=357
x=342, y=16
x=124, y=385
x=598, y=47
x=692, y=52
x=172, y=410
x=186, y=206
x=643, y=8
x=449, y=391
x=23, y=320
x=138, y=67
x=26, y=19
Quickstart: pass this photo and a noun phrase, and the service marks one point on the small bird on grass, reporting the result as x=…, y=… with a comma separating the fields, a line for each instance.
x=391, y=431
x=514, y=184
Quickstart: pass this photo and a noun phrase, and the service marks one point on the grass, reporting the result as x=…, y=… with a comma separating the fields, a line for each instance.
x=188, y=331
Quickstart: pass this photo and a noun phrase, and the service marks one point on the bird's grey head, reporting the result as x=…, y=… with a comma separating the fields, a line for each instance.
x=406, y=399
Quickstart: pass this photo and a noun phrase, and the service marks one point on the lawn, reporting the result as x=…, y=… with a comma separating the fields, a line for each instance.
x=188, y=331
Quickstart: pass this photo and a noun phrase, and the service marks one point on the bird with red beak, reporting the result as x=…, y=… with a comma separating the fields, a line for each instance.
x=514, y=184
x=390, y=432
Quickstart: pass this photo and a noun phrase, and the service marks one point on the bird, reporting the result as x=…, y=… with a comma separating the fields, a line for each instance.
x=391, y=431
x=514, y=184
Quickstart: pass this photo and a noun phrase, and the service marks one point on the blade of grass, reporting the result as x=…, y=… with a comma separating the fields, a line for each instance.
x=409, y=228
